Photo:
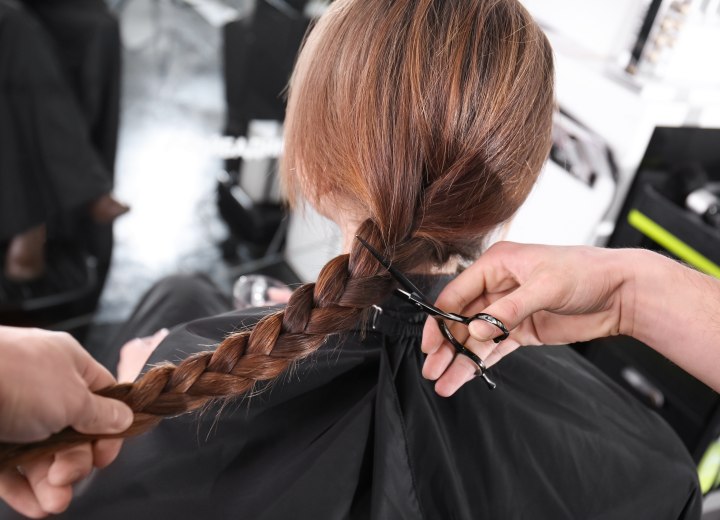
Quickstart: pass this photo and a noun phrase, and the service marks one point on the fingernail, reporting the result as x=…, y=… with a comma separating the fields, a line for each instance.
x=482, y=330
x=429, y=349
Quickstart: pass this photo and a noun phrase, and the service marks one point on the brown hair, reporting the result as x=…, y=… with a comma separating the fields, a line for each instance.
x=427, y=121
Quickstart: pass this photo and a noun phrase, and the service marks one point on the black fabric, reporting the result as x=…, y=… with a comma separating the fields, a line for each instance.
x=355, y=432
x=59, y=96
x=172, y=301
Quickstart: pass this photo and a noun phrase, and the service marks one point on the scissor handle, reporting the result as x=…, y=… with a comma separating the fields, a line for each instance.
x=481, y=368
x=461, y=349
x=492, y=320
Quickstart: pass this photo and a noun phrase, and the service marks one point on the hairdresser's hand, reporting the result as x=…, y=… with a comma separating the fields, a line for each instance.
x=545, y=295
x=46, y=384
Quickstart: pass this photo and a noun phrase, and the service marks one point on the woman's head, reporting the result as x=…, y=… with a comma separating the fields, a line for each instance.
x=426, y=121
x=431, y=118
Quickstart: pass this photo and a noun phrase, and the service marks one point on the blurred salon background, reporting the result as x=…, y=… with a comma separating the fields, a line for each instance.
x=140, y=138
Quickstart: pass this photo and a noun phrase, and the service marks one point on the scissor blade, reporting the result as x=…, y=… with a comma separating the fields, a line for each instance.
x=401, y=278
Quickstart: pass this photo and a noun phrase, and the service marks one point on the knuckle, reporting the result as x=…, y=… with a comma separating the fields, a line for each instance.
x=467, y=365
x=451, y=299
x=512, y=309
x=86, y=412
x=503, y=247
x=66, y=336
x=63, y=337
x=546, y=280
x=499, y=247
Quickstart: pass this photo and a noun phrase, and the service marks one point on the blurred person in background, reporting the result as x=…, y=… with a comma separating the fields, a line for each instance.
x=59, y=106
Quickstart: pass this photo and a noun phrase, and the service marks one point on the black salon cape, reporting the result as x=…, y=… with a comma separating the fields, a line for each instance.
x=355, y=432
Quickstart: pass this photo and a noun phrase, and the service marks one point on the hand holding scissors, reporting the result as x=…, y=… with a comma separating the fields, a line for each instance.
x=552, y=295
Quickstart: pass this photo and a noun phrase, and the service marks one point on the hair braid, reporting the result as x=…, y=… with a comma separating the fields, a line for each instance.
x=335, y=304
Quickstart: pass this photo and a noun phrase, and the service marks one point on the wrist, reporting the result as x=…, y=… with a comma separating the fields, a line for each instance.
x=636, y=268
x=616, y=294
x=649, y=279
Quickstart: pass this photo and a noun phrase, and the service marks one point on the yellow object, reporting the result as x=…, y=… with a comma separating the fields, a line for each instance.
x=673, y=244
x=709, y=467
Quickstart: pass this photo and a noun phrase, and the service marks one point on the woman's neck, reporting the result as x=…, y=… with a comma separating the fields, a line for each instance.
x=348, y=237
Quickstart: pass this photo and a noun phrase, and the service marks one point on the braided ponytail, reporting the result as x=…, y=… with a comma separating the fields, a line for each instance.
x=347, y=287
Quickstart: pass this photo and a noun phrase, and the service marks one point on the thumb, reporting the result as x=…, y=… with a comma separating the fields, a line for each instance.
x=511, y=310
x=104, y=416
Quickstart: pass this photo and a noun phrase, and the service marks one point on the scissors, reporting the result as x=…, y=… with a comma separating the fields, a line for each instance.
x=409, y=292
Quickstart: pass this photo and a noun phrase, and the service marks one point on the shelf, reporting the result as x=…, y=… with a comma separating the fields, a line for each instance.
x=680, y=232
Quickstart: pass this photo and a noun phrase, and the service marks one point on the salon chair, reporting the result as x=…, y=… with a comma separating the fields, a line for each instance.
x=66, y=296
x=259, y=52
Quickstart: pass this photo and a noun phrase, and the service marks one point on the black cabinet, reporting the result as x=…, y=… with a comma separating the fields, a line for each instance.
x=654, y=217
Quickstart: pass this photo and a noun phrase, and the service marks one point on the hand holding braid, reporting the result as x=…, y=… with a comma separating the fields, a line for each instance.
x=336, y=303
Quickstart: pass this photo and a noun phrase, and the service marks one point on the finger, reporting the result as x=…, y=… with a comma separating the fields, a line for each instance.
x=460, y=371
x=432, y=338
x=93, y=373
x=489, y=351
x=488, y=273
x=512, y=310
x=17, y=493
x=71, y=465
x=279, y=295
x=105, y=451
x=437, y=362
x=103, y=415
x=134, y=355
x=161, y=334
x=463, y=369
x=499, y=352
x=52, y=499
x=481, y=348
x=157, y=338
x=98, y=415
